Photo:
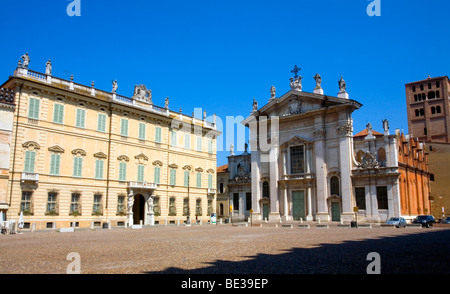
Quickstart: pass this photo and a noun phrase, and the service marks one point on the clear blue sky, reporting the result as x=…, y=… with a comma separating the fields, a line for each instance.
x=221, y=55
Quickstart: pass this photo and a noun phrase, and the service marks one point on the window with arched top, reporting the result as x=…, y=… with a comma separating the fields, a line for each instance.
x=334, y=185
x=266, y=193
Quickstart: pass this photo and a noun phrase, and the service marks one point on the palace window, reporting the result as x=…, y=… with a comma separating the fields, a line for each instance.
x=186, y=178
x=77, y=166
x=187, y=141
x=80, y=121
x=173, y=176
x=156, y=206
x=121, y=204
x=172, y=207
x=52, y=199
x=157, y=171
x=198, y=207
x=210, y=146
x=382, y=197
x=30, y=157
x=210, y=181
x=99, y=163
x=26, y=205
x=58, y=113
x=297, y=159
x=122, y=171
x=185, y=206
x=33, y=108
x=199, y=179
x=199, y=143
x=142, y=128
x=210, y=206
x=158, y=134
x=124, y=127
x=438, y=109
x=438, y=84
x=75, y=207
x=55, y=162
x=173, y=138
x=101, y=122
x=97, y=206
x=140, y=174
x=360, y=197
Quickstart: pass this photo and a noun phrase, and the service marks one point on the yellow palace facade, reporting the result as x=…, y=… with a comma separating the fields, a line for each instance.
x=82, y=157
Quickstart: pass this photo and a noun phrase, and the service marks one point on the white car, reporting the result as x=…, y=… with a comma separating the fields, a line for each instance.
x=397, y=222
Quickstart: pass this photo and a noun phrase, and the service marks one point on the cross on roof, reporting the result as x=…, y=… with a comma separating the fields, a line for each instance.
x=295, y=71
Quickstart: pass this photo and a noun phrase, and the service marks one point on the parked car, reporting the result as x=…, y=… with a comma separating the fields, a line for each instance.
x=397, y=222
x=425, y=220
x=446, y=220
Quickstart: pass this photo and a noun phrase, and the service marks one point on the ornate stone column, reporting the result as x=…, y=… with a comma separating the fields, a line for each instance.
x=321, y=186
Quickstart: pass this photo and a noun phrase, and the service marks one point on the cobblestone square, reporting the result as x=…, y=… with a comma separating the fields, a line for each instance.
x=226, y=249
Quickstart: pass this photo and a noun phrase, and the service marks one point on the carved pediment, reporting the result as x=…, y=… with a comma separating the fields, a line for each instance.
x=158, y=162
x=123, y=158
x=199, y=169
x=173, y=165
x=56, y=149
x=30, y=145
x=187, y=167
x=211, y=171
x=100, y=155
x=141, y=156
x=79, y=152
x=296, y=140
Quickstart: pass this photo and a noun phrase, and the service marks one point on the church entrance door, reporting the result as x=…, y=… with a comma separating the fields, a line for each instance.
x=298, y=205
x=335, y=211
x=265, y=211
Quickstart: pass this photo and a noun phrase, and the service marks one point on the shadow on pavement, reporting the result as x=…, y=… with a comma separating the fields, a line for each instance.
x=424, y=252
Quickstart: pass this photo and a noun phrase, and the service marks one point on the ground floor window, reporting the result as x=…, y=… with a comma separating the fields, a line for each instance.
x=75, y=207
x=25, y=204
x=382, y=197
x=248, y=201
x=121, y=205
x=97, y=207
x=236, y=201
x=360, y=197
x=52, y=203
x=198, y=207
x=172, y=208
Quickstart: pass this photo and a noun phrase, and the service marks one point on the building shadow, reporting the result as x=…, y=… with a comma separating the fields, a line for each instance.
x=424, y=252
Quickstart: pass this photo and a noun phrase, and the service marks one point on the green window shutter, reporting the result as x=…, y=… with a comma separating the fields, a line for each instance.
x=173, y=174
x=140, y=177
x=99, y=169
x=124, y=127
x=142, y=128
x=54, y=164
x=122, y=171
x=58, y=113
x=187, y=141
x=174, y=139
x=158, y=134
x=186, y=178
x=199, y=143
x=33, y=108
x=101, y=122
x=210, y=181
x=157, y=174
x=77, y=166
x=210, y=146
x=199, y=180
x=81, y=117
x=29, y=161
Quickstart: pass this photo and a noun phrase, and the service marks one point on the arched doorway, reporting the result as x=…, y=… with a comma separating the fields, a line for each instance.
x=138, y=209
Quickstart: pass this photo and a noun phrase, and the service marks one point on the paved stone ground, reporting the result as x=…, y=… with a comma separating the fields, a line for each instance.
x=227, y=249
